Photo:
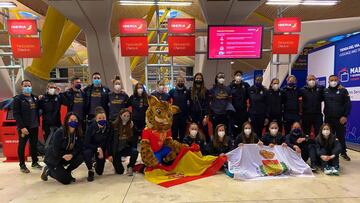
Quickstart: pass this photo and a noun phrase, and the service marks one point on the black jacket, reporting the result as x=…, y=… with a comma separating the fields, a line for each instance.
x=199, y=107
x=239, y=93
x=116, y=103
x=311, y=100
x=331, y=149
x=189, y=141
x=216, y=151
x=96, y=137
x=337, y=102
x=116, y=144
x=67, y=99
x=268, y=139
x=257, y=100
x=59, y=146
x=242, y=139
x=139, y=107
x=50, y=106
x=180, y=97
x=21, y=111
x=290, y=100
x=104, y=98
x=274, y=104
x=291, y=139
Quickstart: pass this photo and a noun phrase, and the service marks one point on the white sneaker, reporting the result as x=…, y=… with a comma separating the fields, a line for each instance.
x=334, y=171
x=328, y=170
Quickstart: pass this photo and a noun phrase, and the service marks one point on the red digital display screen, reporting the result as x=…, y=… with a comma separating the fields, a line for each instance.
x=234, y=42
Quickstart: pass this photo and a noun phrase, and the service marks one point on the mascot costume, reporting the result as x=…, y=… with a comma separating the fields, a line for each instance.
x=167, y=161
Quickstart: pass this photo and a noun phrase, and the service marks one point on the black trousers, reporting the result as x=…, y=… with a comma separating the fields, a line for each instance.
x=117, y=163
x=33, y=139
x=257, y=122
x=237, y=120
x=339, y=130
x=178, y=127
x=139, y=126
x=62, y=174
x=309, y=121
x=332, y=162
x=308, y=150
x=89, y=156
x=47, y=130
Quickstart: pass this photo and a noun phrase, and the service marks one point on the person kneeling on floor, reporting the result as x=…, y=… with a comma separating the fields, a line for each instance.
x=328, y=148
x=123, y=143
x=97, y=139
x=65, y=149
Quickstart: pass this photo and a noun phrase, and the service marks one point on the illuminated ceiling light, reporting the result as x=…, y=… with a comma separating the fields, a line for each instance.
x=7, y=5
x=303, y=2
x=155, y=3
x=232, y=62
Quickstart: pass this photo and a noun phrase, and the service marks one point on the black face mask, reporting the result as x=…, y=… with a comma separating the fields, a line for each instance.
x=181, y=85
x=198, y=82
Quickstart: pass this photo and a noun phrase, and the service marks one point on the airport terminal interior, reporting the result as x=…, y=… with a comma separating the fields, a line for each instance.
x=180, y=101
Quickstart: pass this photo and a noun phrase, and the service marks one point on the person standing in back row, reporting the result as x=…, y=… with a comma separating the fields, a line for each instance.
x=117, y=99
x=75, y=100
x=257, y=110
x=26, y=114
x=239, y=93
x=96, y=95
x=337, y=110
x=160, y=92
x=274, y=104
x=312, y=96
x=290, y=100
x=50, y=105
x=179, y=96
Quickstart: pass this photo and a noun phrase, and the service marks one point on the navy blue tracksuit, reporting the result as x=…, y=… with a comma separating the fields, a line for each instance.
x=257, y=110
x=180, y=97
x=239, y=94
x=291, y=105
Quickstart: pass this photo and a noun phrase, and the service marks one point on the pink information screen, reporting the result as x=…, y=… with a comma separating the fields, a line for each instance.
x=234, y=42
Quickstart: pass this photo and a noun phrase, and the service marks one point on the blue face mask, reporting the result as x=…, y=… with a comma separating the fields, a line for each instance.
x=27, y=90
x=78, y=86
x=297, y=131
x=97, y=82
x=101, y=122
x=73, y=124
x=292, y=84
x=258, y=84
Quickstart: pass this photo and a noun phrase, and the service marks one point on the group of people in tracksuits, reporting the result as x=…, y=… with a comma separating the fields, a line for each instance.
x=99, y=124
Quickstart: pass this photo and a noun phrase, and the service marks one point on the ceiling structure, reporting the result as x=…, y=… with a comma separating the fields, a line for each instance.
x=264, y=15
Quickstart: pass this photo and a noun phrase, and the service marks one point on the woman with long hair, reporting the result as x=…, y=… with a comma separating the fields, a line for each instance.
x=247, y=136
x=220, y=143
x=65, y=149
x=122, y=143
x=199, y=104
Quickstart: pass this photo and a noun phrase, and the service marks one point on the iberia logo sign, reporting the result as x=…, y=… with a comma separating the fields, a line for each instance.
x=181, y=25
x=292, y=24
x=22, y=27
x=133, y=26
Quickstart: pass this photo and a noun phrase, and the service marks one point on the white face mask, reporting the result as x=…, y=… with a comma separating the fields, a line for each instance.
x=117, y=87
x=221, y=134
x=193, y=133
x=161, y=88
x=247, y=131
x=221, y=80
x=52, y=91
x=238, y=78
x=326, y=133
x=274, y=131
x=275, y=87
x=140, y=91
x=311, y=83
x=333, y=83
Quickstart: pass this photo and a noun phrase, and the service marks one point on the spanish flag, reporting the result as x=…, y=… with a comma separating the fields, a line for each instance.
x=189, y=165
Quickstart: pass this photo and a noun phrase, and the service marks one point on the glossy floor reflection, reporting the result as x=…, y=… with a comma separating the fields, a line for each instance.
x=17, y=187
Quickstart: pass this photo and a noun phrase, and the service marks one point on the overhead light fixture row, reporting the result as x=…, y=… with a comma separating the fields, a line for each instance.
x=154, y=3
x=7, y=4
x=303, y=2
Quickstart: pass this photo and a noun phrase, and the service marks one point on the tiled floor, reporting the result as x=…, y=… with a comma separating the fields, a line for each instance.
x=17, y=187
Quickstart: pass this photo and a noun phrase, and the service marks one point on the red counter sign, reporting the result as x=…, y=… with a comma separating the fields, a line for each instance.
x=285, y=44
x=181, y=46
x=133, y=26
x=287, y=25
x=134, y=46
x=181, y=25
x=22, y=27
x=26, y=47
